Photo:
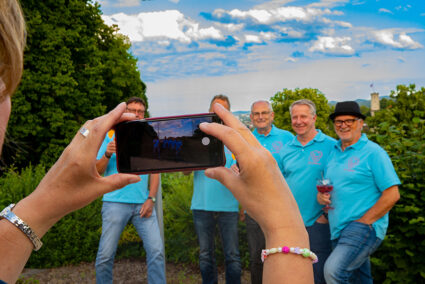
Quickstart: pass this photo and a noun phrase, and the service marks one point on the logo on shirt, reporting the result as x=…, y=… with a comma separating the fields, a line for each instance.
x=315, y=157
x=351, y=163
x=276, y=146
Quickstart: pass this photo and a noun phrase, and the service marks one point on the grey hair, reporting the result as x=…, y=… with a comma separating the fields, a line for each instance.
x=262, y=101
x=305, y=102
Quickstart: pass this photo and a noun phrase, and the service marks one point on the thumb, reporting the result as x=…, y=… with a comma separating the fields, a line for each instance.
x=226, y=177
x=117, y=181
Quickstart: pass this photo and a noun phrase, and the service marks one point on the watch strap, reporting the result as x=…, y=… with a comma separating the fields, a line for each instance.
x=21, y=225
x=152, y=198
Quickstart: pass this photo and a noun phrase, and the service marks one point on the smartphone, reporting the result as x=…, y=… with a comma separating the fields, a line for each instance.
x=167, y=144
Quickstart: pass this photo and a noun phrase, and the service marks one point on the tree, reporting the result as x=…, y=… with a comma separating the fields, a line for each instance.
x=400, y=130
x=282, y=100
x=75, y=68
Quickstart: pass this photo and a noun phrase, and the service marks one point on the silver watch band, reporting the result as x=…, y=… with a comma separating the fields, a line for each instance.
x=21, y=225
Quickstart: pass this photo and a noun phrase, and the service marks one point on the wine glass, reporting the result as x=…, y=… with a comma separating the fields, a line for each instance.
x=324, y=185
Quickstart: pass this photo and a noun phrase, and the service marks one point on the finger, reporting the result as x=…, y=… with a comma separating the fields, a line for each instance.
x=228, y=178
x=117, y=181
x=232, y=121
x=232, y=139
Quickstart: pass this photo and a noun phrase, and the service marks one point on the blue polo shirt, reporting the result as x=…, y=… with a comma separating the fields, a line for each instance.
x=302, y=166
x=274, y=141
x=211, y=195
x=359, y=174
x=132, y=193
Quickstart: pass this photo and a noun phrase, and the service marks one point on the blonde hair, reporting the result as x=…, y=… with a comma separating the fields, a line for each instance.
x=12, y=44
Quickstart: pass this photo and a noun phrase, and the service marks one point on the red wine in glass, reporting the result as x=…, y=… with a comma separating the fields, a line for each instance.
x=325, y=186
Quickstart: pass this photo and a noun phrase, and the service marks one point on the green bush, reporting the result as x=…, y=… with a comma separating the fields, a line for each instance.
x=400, y=130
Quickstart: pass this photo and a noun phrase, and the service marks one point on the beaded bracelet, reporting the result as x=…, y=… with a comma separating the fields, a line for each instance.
x=304, y=252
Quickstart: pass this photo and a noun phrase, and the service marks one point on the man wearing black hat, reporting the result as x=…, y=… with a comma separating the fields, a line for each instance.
x=365, y=189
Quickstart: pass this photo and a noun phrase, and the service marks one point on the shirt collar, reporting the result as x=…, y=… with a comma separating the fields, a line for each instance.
x=319, y=137
x=356, y=146
x=271, y=133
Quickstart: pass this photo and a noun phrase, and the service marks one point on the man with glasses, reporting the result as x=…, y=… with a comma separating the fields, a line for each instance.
x=303, y=160
x=365, y=189
x=273, y=139
x=135, y=203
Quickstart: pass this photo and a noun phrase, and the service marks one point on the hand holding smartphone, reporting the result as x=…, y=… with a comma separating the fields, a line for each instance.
x=167, y=144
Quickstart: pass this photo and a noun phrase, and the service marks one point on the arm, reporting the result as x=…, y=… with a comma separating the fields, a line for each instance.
x=147, y=207
x=384, y=204
x=102, y=163
x=72, y=183
x=262, y=191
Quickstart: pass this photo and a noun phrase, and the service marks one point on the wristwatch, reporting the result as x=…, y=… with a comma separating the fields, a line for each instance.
x=152, y=198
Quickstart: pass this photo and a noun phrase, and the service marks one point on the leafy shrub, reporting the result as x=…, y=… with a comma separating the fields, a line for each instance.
x=400, y=130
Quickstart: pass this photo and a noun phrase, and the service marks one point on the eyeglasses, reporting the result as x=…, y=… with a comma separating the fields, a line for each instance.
x=263, y=113
x=347, y=122
x=136, y=111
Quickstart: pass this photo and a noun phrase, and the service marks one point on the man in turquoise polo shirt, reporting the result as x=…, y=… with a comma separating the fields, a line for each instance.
x=365, y=189
x=273, y=139
x=213, y=204
x=135, y=203
x=303, y=160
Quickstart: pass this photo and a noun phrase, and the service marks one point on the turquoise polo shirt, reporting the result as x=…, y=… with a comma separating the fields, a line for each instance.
x=211, y=195
x=302, y=166
x=359, y=174
x=274, y=141
x=132, y=193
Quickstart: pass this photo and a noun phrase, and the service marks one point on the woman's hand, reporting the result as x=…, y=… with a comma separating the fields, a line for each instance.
x=73, y=181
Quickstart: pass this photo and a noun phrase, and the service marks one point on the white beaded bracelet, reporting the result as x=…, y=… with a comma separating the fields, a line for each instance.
x=21, y=225
x=301, y=251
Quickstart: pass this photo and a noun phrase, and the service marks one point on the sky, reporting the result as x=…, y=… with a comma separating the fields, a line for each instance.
x=190, y=50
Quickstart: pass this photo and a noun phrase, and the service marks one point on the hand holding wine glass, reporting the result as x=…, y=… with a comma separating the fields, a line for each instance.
x=324, y=187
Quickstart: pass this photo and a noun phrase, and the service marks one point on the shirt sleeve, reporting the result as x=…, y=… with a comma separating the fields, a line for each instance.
x=383, y=170
x=102, y=148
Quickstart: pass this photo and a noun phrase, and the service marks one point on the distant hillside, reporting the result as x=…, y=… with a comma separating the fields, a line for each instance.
x=361, y=102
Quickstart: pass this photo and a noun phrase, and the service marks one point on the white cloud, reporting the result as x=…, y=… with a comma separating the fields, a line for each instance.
x=174, y=1
x=329, y=3
x=169, y=24
x=383, y=10
x=332, y=45
x=290, y=59
x=252, y=38
x=394, y=38
x=274, y=15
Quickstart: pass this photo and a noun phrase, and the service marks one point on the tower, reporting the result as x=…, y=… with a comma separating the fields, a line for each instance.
x=374, y=103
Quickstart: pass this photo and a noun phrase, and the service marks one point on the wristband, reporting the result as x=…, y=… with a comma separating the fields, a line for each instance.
x=301, y=251
x=21, y=225
x=108, y=157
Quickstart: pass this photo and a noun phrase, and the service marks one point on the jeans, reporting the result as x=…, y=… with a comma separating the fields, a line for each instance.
x=349, y=261
x=320, y=243
x=115, y=217
x=205, y=223
x=256, y=243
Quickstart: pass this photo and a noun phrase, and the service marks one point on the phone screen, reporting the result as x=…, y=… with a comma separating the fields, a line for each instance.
x=167, y=144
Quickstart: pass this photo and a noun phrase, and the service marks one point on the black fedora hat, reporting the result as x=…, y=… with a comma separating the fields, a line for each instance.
x=347, y=108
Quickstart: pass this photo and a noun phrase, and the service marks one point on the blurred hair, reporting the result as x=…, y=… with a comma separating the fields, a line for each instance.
x=306, y=102
x=220, y=97
x=136, y=100
x=12, y=44
x=263, y=101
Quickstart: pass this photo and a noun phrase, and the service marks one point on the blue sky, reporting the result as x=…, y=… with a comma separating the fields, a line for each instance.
x=189, y=51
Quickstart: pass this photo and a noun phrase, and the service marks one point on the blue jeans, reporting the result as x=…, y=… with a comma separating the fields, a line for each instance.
x=205, y=223
x=349, y=261
x=320, y=243
x=256, y=243
x=115, y=217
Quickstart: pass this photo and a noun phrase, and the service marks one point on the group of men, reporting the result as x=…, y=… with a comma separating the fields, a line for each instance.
x=365, y=188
